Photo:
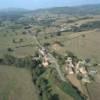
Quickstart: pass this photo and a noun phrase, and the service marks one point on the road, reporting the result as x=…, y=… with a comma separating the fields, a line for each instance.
x=57, y=67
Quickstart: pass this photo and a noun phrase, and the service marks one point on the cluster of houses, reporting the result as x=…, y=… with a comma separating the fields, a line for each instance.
x=44, y=54
x=78, y=68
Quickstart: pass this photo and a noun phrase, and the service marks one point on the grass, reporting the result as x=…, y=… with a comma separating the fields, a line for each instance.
x=7, y=42
x=95, y=87
x=62, y=95
x=87, y=47
x=16, y=84
x=82, y=47
x=67, y=88
x=54, y=86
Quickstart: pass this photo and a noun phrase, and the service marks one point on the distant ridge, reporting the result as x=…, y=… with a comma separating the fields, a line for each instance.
x=93, y=9
x=13, y=10
x=72, y=10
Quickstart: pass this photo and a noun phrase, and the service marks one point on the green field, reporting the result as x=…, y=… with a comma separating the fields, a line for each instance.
x=16, y=84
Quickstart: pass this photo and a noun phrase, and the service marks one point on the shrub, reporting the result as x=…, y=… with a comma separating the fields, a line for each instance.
x=21, y=40
x=9, y=59
x=10, y=50
x=24, y=33
x=54, y=97
x=1, y=61
x=14, y=41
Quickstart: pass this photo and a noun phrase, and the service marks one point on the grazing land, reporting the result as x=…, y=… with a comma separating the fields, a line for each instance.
x=16, y=84
x=45, y=54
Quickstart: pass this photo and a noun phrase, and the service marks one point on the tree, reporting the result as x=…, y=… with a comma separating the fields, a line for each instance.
x=1, y=60
x=58, y=33
x=21, y=40
x=54, y=97
x=24, y=33
x=14, y=41
x=88, y=60
x=46, y=44
x=38, y=30
x=9, y=59
x=19, y=62
x=10, y=50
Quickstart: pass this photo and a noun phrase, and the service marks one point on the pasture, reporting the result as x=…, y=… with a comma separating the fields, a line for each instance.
x=16, y=84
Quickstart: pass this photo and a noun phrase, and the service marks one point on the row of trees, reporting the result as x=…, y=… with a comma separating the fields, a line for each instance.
x=18, y=62
x=41, y=82
x=86, y=26
x=34, y=64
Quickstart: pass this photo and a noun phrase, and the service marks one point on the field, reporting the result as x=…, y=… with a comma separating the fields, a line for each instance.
x=16, y=39
x=83, y=47
x=16, y=84
x=83, y=44
x=95, y=87
x=20, y=49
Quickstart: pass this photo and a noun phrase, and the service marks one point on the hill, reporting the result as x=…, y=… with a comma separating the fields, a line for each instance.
x=76, y=10
x=12, y=13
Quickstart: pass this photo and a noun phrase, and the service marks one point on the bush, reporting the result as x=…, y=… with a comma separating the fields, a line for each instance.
x=1, y=61
x=10, y=50
x=21, y=40
x=58, y=33
x=19, y=63
x=54, y=97
x=9, y=59
x=14, y=41
x=46, y=44
x=24, y=33
x=24, y=62
x=67, y=88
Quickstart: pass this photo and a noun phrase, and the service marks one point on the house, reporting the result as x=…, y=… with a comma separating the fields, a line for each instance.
x=69, y=62
x=80, y=67
x=83, y=71
x=71, y=71
x=45, y=64
x=69, y=66
x=86, y=79
x=93, y=72
x=46, y=61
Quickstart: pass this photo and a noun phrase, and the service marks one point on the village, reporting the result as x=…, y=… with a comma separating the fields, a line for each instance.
x=76, y=72
x=78, y=68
